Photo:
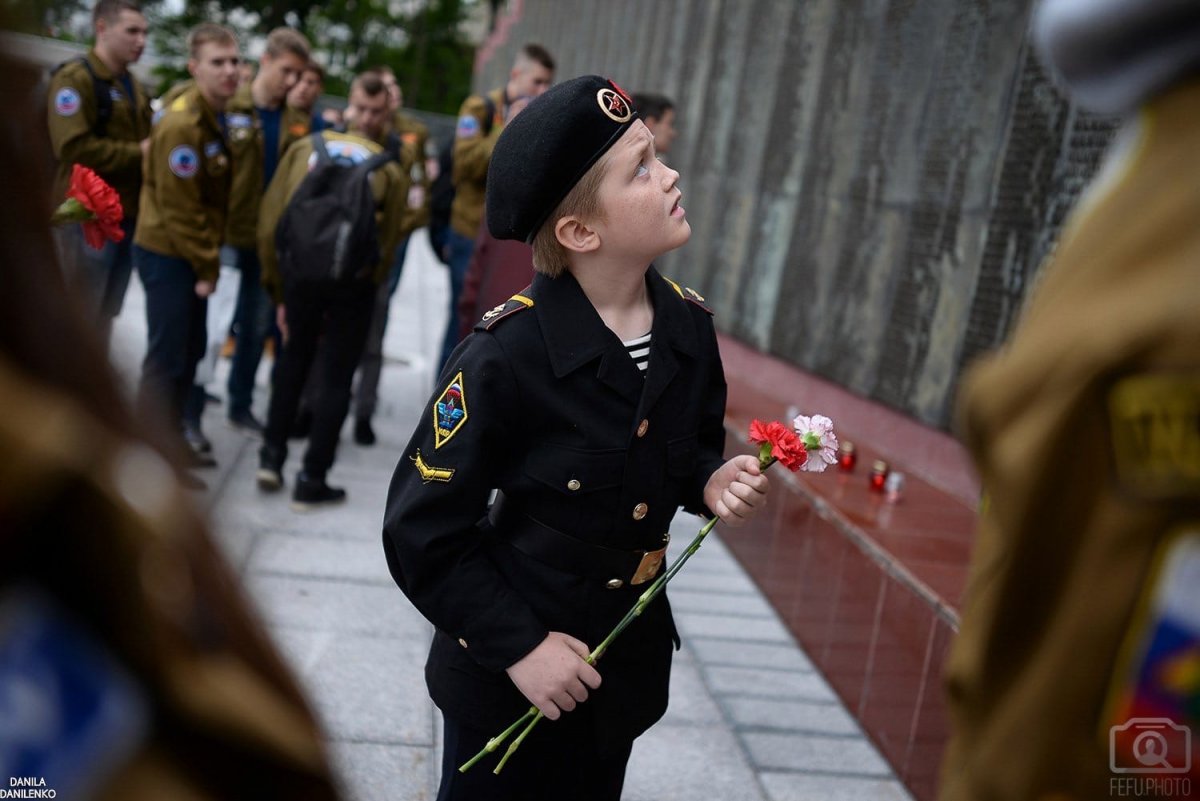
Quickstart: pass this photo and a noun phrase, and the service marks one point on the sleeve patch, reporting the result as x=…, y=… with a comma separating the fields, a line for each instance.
x=67, y=102
x=428, y=473
x=449, y=412
x=467, y=127
x=183, y=161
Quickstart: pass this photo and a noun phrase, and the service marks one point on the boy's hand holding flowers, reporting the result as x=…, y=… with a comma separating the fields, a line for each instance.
x=737, y=490
x=555, y=675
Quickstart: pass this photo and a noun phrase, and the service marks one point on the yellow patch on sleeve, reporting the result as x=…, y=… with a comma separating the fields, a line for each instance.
x=428, y=473
x=1155, y=420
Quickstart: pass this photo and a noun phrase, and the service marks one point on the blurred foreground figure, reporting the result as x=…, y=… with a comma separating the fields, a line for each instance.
x=130, y=665
x=1076, y=674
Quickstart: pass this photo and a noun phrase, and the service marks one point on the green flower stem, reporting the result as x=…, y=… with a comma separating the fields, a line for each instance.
x=765, y=460
x=499, y=739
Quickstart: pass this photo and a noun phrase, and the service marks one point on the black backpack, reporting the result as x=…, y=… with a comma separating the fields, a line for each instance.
x=441, y=192
x=327, y=233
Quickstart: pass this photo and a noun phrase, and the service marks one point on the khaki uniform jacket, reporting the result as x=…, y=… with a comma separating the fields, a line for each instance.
x=390, y=186
x=198, y=703
x=1086, y=432
x=246, y=145
x=186, y=192
x=71, y=114
x=472, y=154
x=413, y=137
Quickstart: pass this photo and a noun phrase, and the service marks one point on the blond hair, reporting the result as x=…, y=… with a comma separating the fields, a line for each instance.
x=207, y=32
x=583, y=201
x=287, y=40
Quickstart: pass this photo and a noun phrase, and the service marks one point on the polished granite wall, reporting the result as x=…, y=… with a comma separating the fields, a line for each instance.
x=869, y=586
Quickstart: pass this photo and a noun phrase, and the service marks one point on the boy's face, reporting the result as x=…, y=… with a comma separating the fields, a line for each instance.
x=124, y=36
x=306, y=91
x=215, y=69
x=642, y=217
x=369, y=113
x=278, y=74
x=663, y=129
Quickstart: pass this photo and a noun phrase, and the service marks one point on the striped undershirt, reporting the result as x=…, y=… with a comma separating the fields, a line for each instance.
x=639, y=351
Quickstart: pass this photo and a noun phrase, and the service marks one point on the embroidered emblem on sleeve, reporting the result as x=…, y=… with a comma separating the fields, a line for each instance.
x=1155, y=423
x=467, y=127
x=66, y=102
x=449, y=412
x=183, y=161
x=428, y=473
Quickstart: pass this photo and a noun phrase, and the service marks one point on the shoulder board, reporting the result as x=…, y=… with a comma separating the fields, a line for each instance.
x=689, y=294
x=179, y=104
x=510, y=307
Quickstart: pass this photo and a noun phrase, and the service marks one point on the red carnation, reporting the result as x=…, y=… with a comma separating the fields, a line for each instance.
x=786, y=447
x=93, y=203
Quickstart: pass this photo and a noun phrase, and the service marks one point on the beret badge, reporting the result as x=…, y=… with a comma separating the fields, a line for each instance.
x=614, y=105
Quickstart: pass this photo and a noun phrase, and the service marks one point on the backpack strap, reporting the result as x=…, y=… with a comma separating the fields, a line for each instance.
x=101, y=89
x=318, y=144
x=378, y=160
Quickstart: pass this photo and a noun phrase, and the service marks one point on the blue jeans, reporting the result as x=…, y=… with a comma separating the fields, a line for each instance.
x=460, y=248
x=102, y=275
x=253, y=318
x=175, y=321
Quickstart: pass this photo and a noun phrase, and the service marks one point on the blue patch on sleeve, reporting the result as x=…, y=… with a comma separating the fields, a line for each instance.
x=467, y=127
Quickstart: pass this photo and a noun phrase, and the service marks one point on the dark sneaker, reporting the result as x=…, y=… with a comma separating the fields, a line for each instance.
x=270, y=469
x=363, y=433
x=195, y=439
x=246, y=422
x=313, y=493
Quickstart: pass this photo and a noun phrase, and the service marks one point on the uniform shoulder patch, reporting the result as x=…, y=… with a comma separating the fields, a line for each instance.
x=183, y=161
x=1155, y=423
x=66, y=102
x=689, y=294
x=516, y=303
x=449, y=411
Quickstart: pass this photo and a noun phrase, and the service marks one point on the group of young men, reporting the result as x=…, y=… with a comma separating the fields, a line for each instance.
x=211, y=172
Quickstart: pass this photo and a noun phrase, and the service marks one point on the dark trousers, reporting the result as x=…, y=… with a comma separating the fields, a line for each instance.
x=175, y=321
x=558, y=761
x=253, y=320
x=102, y=275
x=327, y=326
x=366, y=394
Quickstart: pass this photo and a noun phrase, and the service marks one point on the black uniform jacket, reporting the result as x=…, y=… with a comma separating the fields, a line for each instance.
x=544, y=403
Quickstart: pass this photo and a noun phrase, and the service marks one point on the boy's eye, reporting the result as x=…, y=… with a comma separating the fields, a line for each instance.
x=641, y=170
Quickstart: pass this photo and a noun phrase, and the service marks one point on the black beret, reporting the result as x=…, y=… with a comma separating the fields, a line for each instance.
x=547, y=148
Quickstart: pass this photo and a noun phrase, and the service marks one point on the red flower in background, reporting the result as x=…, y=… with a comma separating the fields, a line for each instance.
x=785, y=446
x=93, y=203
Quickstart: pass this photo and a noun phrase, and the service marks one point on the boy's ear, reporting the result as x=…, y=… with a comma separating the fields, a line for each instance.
x=575, y=235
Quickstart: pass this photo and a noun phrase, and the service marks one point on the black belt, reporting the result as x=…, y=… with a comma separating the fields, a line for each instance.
x=564, y=552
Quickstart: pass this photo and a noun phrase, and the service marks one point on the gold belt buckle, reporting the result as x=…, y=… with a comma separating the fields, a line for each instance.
x=648, y=567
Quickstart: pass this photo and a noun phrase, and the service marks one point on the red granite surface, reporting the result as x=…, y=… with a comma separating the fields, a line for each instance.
x=871, y=587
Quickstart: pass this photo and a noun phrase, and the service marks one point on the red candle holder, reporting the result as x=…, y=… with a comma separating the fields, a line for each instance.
x=847, y=458
x=879, y=473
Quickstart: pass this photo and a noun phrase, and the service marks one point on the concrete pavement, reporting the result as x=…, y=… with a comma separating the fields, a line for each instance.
x=750, y=720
